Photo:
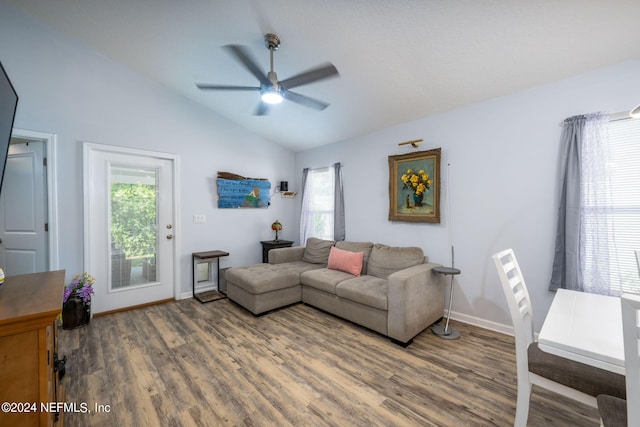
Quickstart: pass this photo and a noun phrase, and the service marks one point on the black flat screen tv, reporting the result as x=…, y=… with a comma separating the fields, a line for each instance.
x=8, y=105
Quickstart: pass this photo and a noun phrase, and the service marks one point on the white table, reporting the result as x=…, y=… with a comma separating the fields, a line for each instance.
x=586, y=328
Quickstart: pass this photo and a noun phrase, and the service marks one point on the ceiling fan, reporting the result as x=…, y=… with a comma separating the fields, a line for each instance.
x=273, y=91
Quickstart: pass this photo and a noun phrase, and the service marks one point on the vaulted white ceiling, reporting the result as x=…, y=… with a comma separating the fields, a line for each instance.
x=398, y=60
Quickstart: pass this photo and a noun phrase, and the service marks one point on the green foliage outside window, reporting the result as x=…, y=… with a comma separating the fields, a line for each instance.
x=133, y=219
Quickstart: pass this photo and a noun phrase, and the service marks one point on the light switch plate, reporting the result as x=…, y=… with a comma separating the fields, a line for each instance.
x=199, y=219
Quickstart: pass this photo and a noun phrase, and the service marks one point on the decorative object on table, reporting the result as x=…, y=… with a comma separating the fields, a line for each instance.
x=236, y=191
x=76, y=301
x=414, y=187
x=1, y=276
x=276, y=226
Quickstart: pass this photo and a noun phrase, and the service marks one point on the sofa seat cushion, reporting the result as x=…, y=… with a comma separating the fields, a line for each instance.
x=367, y=290
x=324, y=279
x=385, y=260
x=585, y=378
x=262, y=278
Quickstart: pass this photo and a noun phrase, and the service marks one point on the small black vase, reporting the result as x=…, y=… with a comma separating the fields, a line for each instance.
x=75, y=313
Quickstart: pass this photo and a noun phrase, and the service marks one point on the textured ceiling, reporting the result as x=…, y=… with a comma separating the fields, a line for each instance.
x=398, y=60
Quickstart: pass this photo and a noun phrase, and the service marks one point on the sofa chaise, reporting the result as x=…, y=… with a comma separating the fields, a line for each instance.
x=391, y=290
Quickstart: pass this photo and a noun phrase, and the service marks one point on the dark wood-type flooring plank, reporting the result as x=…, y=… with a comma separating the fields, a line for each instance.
x=189, y=364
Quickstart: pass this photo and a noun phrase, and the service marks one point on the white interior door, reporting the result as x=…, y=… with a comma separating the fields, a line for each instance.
x=130, y=240
x=23, y=238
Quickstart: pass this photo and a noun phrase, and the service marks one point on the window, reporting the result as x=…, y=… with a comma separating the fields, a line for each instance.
x=622, y=216
x=322, y=213
x=317, y=206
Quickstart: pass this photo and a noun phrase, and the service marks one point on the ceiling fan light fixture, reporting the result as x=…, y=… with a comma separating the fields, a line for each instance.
x=271, y=96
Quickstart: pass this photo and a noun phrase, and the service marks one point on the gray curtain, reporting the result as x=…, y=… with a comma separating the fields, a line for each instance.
x=338, y=205
x=303, y=215
x=568, y=262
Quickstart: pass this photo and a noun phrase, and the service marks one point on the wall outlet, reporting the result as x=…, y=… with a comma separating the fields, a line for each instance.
x=199, y=219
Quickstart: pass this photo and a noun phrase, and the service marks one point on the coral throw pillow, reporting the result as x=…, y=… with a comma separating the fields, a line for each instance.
x=347, y=261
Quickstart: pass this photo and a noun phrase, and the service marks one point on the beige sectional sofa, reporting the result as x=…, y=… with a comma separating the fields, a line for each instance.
x=395, y=292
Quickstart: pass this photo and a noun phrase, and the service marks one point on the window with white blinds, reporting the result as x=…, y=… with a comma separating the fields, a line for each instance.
x=624, y=172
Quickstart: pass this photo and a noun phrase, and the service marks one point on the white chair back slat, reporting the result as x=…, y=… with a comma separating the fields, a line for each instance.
x=518, y=299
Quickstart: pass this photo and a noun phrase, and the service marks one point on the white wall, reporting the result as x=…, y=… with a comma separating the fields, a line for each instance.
x=504, y=179
x=68, y=89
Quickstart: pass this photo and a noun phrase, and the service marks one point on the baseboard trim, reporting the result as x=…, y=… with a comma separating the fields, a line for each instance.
x=189, y=294
x=482, y=323
x=133, y=307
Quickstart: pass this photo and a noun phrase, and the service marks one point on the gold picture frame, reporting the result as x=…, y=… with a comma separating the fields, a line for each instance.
x=414, y=187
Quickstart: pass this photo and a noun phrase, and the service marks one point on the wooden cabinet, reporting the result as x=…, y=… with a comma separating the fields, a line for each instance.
x=29, y=306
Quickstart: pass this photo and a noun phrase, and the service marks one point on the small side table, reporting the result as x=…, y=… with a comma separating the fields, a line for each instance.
x=446, y=332
x=267, y=245
x=208, y=257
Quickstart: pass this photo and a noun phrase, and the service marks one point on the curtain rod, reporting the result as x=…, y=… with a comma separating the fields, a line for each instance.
x=614, y=117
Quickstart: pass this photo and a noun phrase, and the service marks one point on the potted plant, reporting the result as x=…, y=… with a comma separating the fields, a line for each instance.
x=76, y=301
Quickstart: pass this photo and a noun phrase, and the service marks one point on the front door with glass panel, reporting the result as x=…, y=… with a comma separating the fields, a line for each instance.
x=129, y=205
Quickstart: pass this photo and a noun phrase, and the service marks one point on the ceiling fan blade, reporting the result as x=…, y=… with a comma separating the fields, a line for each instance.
x=262, y=109
x=242, y=55
x=304, y=100
x=319, y=73
x=225, y=87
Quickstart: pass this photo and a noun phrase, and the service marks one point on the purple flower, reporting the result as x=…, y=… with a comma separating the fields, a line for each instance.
x=85, y=293
x=81, y=286
x=66, y=294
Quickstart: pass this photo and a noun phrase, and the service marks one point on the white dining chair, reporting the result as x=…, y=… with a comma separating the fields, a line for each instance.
x=576, y=380
x=614, y=411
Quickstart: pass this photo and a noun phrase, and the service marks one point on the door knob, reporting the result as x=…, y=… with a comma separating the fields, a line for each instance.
x=170, y=236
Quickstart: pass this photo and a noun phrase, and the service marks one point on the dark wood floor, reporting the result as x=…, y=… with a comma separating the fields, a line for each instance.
x=189, y=364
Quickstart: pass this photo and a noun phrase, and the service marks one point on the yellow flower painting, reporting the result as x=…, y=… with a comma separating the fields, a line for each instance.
x=414, y=187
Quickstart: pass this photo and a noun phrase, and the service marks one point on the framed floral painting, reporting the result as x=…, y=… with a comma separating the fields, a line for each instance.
x=414, y=187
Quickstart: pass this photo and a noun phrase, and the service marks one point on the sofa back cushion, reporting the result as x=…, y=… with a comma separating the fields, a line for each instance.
x=317, y=250
x=385, y=260
x=364, y=247
x=347, y=261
